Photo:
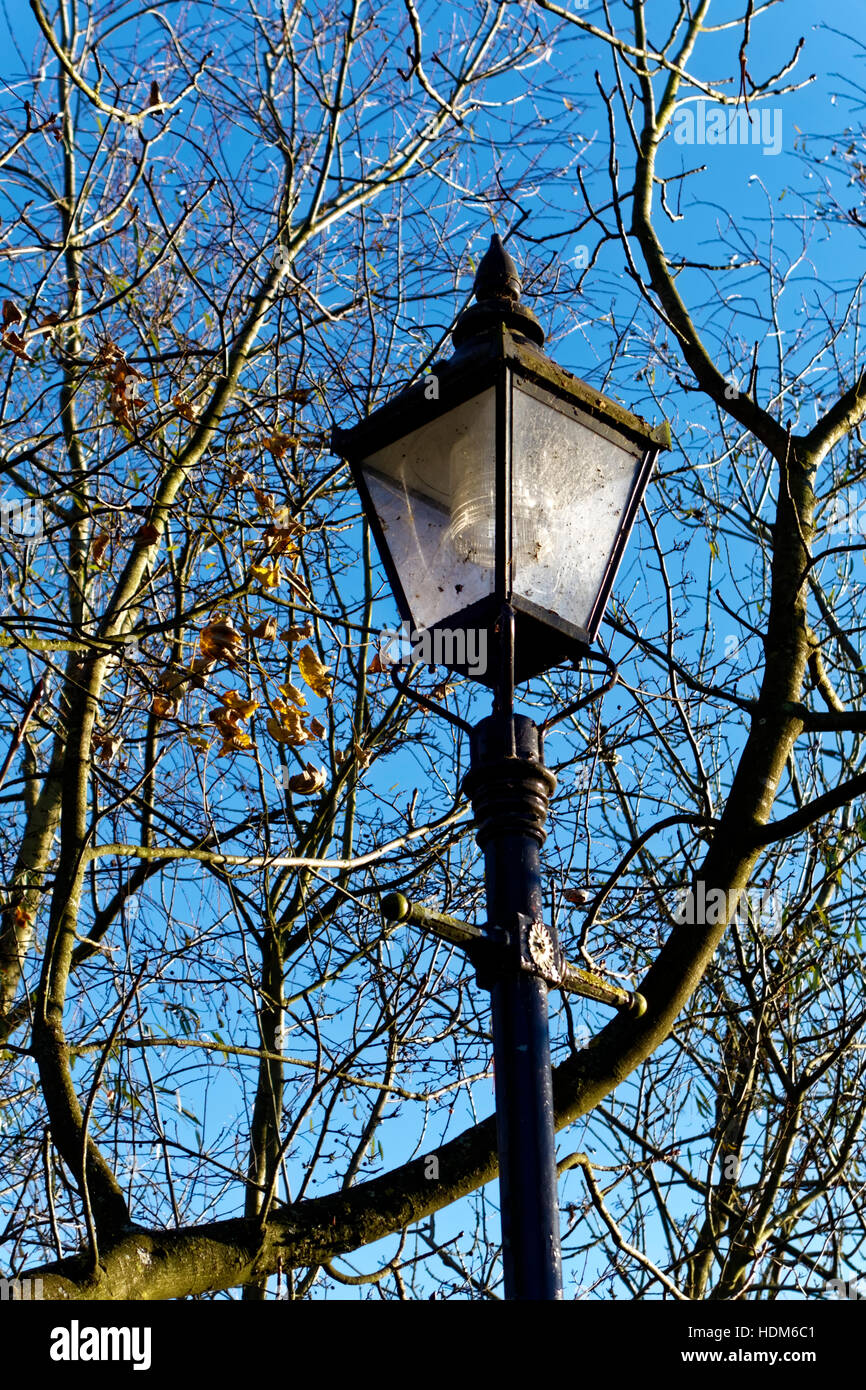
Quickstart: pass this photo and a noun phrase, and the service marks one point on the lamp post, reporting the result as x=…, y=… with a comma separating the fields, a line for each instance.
x=501, y=491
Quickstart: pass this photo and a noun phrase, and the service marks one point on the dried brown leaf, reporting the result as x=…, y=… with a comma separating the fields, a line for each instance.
x=220, y=641
x=163, y=707
x=576, y=896
x=309, y=782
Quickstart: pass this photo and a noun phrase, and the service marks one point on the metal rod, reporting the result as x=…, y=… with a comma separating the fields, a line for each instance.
x=398, y=909
x=569, y=977
x=531, y=1255
x=510, y=790
x=589, y=986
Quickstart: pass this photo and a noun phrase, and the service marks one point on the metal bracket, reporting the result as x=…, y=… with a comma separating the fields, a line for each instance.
x=589, y=699
x=494, y=951
x=418, y=699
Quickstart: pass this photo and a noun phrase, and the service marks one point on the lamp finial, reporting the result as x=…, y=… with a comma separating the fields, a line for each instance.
x=497, y=300
x=497, y=276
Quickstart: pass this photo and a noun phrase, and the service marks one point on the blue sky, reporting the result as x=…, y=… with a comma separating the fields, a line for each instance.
x=782, y=197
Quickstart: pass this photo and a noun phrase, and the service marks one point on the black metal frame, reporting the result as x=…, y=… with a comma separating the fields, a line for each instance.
x=501, y=359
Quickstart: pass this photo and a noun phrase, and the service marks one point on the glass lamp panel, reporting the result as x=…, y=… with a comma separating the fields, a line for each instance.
x=570, y=491
x=419, y=489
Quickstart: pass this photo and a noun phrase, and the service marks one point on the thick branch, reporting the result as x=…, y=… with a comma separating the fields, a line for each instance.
x=812, y=812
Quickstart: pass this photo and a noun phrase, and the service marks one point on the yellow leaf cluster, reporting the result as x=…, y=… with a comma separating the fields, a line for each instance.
x=163, y=707
x=220, y=640
x=279, y=443
x=294, y=633
x=234, y=708
x=185, y=410
x=106, y=745
x=293, y=695
x=235, y=744
x=266, y=500
x=314, y=673
x=287, y=725
x=233, y=700
x=267, y=572
x=266, y=630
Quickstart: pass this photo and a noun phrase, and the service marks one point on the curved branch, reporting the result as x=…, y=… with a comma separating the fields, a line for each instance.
x=813, y=811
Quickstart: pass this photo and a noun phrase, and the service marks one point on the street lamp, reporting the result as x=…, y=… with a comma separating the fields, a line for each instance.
x=501, y=491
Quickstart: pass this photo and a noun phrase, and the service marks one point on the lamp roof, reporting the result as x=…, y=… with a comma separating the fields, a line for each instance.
x=494, y=333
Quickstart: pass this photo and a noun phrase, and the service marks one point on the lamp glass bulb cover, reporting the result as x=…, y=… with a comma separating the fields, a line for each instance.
x=410, y=485
x=579, y=481
x=434, y=492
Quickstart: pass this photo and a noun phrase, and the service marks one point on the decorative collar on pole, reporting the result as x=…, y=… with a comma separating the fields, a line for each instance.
x=497, y=295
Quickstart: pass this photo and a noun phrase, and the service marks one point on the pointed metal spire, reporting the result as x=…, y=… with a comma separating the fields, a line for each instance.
x=497, y=275
x=497, y=296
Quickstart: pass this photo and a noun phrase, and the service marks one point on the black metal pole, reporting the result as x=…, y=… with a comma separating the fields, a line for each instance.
x=510, y=789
